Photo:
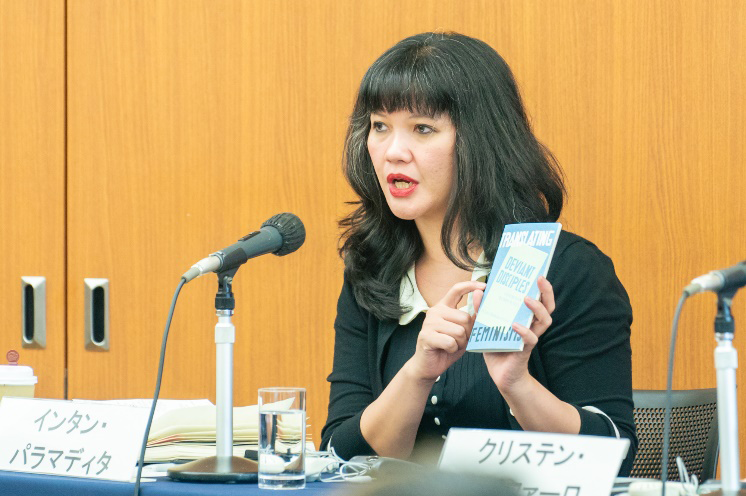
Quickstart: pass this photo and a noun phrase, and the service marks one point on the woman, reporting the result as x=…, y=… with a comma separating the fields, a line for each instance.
x=441, y=154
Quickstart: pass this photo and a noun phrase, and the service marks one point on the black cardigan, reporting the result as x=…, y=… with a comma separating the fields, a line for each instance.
x=584, y=358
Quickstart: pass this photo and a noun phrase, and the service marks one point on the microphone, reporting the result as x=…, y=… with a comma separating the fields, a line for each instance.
x=719, y=280
x=281, y=234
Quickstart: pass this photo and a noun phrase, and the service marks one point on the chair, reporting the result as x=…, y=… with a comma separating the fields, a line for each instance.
x=694, y=432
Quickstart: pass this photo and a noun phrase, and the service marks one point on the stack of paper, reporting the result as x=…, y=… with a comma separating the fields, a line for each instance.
x=189, y=433
x=185, y=429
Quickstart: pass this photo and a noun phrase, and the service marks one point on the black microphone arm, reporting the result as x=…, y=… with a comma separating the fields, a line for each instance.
x=727, y=279
x=281, y=234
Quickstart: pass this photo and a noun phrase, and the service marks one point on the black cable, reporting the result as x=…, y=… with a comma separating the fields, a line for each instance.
x=669, y=394
x=157, y=386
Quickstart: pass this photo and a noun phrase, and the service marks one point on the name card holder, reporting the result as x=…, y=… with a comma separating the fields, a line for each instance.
x=537, y=462
x=78, y=439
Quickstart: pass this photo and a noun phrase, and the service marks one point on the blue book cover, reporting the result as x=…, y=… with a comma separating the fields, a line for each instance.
x=524, y=253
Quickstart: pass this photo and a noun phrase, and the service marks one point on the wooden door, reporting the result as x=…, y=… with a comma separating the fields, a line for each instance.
x=32, y=180
x=191, y=123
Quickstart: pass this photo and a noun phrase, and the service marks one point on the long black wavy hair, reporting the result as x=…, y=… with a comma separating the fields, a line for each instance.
x=503, y=173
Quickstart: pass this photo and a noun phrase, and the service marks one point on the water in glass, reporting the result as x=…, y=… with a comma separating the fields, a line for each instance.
x=282, y=435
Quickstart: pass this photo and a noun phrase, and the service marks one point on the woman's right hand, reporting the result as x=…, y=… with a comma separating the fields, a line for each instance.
x=445, y=333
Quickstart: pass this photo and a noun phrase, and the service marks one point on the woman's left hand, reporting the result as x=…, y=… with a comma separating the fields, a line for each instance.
x=509, y=369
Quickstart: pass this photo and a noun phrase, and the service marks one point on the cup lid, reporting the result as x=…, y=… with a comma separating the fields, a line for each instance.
x=17, y=375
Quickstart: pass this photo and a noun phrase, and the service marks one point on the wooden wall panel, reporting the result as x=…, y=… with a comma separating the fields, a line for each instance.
x=32, y=210
x=193, y=121
x=190, y=126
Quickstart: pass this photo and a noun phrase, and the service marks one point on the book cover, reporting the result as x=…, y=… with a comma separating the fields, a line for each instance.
x=524, y=253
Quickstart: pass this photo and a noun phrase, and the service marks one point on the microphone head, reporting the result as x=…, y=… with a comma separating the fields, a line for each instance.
x=291, y=229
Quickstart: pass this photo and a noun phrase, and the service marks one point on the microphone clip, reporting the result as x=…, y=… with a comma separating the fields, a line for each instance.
x=224, y=299
x=724, y=323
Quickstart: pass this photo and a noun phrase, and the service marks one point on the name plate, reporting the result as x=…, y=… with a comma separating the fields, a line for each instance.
x=58, y=437
x=538, y=463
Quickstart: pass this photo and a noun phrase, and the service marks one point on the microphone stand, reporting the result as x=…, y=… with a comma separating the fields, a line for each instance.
x=224, y=467
x=726, y=362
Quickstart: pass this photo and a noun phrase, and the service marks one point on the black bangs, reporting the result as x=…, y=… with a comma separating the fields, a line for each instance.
x=407, y=79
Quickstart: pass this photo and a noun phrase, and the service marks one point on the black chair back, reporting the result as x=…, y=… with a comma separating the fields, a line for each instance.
x=694, y=432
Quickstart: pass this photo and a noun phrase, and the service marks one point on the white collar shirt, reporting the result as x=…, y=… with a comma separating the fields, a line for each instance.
x=410, y=296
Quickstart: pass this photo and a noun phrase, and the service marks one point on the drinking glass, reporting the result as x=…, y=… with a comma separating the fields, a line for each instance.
x=282, y=438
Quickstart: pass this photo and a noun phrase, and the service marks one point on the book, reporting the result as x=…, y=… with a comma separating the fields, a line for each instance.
x=184, y=430
x=524, y=253
x=190, y=433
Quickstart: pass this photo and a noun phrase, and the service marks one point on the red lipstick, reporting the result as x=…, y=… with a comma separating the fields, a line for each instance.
x=397, y=187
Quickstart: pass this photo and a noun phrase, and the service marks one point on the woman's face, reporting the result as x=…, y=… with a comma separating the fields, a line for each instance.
x=414, y=157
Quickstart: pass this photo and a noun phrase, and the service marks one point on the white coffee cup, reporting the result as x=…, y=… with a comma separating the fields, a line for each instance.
x=17, y=380
x=653, y=488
